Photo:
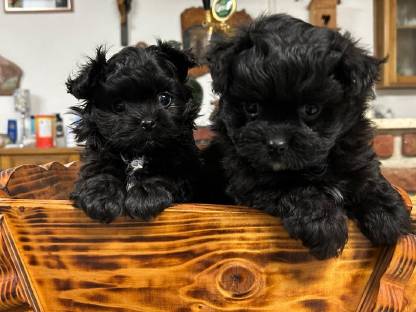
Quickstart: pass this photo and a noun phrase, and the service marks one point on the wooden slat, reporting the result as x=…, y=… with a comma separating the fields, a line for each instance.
x=40, y=151
x=391, y=296
x=12, y=294
x=50, y=181
x=190, y=258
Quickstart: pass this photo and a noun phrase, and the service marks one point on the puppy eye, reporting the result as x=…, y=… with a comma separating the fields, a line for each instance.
x=119, y=107
x=311, y=111
x=165, y=99
x=251, y=109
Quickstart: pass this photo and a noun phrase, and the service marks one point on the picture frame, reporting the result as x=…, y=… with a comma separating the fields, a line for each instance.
x=27, y=6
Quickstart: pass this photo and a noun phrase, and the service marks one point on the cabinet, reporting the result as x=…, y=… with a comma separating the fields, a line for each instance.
x=395, y=27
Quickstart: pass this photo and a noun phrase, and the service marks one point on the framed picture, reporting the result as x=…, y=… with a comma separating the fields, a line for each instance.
x=21, y=6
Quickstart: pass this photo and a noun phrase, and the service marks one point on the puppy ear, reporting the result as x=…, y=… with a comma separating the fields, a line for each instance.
x=357, y=70
x=219, y=56
x=85, y=83
x=183, y=60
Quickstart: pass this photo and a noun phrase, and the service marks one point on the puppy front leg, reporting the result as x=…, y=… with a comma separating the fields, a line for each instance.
x=149, y=197
x=317, y=218
x=381, y=212
x=100, y=196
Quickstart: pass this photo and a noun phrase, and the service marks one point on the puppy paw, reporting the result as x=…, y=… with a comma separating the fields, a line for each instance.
x=146, y=201
x=326, y=238
x=381, y=214
x=384, y=225
x=100, y=199
x=319, y=221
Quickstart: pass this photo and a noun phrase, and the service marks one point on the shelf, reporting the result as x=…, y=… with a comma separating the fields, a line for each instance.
x=38, y=151
x=413, y=26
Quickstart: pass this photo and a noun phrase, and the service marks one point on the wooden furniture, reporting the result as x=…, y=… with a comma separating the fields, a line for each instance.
x=193, y=257
x=323, y=13
x=13, y=157
x=193, y=33
x=395, y=26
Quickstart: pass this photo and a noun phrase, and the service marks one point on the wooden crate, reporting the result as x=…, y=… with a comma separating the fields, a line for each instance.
x=193, y=257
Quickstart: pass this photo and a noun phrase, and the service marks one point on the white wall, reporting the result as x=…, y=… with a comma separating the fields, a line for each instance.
x=357, y=17
x=48, y=46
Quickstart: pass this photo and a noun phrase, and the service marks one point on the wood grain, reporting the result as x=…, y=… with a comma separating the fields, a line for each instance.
x=376, y=296
x=191, y=258
x=12, y=294
x=410, y=287
x=13, y=157
x=50, y=181
x=391, y=295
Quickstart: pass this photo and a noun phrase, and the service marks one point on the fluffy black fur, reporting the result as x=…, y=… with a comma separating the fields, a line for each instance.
x=292, y=135
x=136, y=105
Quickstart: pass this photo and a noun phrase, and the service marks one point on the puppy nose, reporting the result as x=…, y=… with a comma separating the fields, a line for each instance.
x=147, y=124
x=278, y=145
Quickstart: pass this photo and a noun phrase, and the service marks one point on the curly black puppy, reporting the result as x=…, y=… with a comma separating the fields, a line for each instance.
x=137, y=122
x=293, y=134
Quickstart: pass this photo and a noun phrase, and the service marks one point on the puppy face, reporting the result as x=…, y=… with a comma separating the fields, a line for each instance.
x=289, y=91
x=135, y=101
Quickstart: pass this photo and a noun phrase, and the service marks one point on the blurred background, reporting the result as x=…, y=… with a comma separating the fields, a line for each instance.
x=44, y=41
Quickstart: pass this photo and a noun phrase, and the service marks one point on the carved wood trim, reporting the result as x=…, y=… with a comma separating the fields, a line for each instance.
x=378, y=294
x=393, y=282
x=50, y=181
x=15, y=292
x=370, y=292
x=405, y=196
x=385, y=290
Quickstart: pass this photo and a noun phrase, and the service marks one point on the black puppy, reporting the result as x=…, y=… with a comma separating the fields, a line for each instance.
x=137, y=121
x=293, y=134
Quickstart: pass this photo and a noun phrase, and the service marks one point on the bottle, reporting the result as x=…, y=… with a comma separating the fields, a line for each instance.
x=44, y=130
x=12, y=130
x=60, y=132
x=70, y=120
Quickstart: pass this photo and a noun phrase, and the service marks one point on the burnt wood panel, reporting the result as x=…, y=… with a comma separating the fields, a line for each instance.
x=16, y=294
x=49, y=181
x=195, y=257
x=12, y=297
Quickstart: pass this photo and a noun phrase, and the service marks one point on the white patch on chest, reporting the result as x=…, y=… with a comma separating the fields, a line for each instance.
x=277, y=166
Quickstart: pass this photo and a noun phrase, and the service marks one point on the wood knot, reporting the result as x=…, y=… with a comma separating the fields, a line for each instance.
x=239, y=280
